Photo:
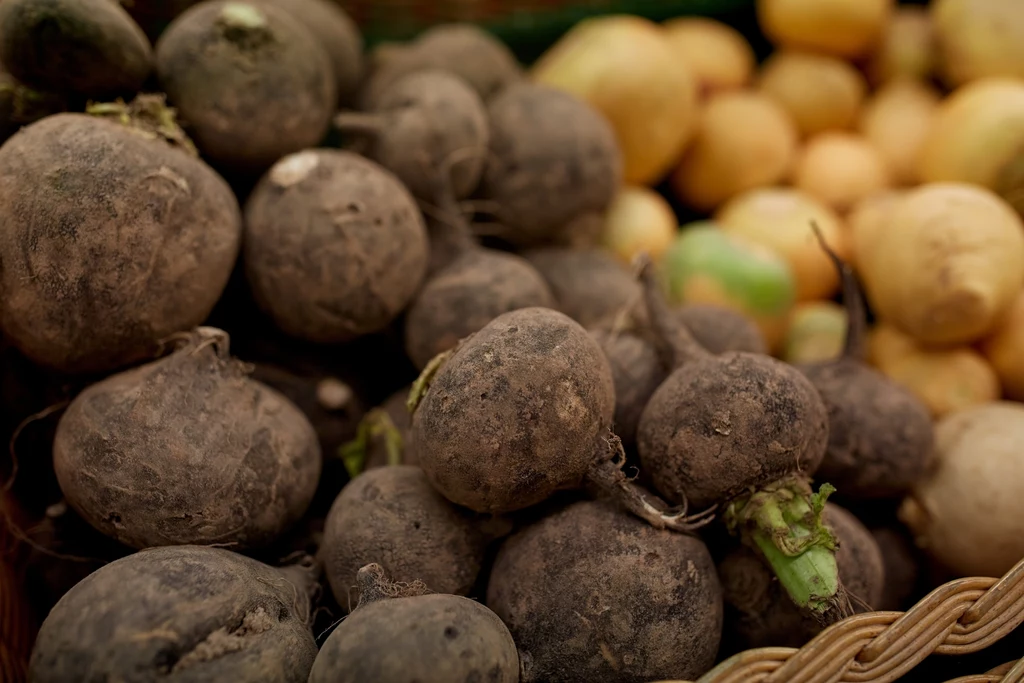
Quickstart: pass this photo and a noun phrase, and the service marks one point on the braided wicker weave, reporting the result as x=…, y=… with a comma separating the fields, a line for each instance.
x=957, y=618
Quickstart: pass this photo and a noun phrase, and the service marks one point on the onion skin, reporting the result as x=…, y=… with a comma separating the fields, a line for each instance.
x=1005, y=351
x=718, y=55
x=818, y=91
x=945, y=380
x=979, y=38
x=896, y=120
x=840, y=169
x=744, y=140
x=950, y=265
x=977, y=136
x=845, y=28
x=639, y=220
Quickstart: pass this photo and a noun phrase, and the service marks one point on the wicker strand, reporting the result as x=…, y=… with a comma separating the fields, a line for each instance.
x=960, y=617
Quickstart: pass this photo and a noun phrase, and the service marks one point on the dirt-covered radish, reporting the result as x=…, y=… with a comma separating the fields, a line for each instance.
x=589, y=284
x=521, y=410
x=182, y=614
x=91, y=48
x=187, y=450
x=639, y=365
x=758, y=613
x=719, y=329
x=880, y=439
x=422, y=122
x=394, y=517
x=335, y=246
x=339, y=35
x=463, y=49
x=263, y=87
x=403, y=633
x=746, y=432
x=592, y=594
x=113, y=236
x=553, y=159
x=472, y=286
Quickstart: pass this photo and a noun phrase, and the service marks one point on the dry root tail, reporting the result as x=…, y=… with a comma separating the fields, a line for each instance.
x=375, y=584
x=606, y=475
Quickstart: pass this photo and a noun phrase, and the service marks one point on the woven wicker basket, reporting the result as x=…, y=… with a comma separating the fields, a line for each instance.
x=958, y=618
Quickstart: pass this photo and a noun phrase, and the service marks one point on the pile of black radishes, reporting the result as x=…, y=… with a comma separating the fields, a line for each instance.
x=217, y=252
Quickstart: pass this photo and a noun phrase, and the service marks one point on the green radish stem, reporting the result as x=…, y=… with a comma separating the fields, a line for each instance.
x=783, y=522
x=422, y=383
x=376, y=423
x=146, y=115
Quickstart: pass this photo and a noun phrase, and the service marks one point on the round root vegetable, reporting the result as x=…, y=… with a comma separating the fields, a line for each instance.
x=719, y=329
x=521, y=410
x=393, y=516
x=589, y=285
x=744, y=140
x=817, y=331
x=638, y=220
x=401, y=634
x=945, y=380
x=867, y=223
x=744, y=431
x=553, y=159
x=846, y=28
x=966, y=514
x=977, y=136
x=637, y=371
x=705, y=265
x=473, y=286
x=465, y=50
x=950, y=266
x=902, y=568
x=626, y=68
x=422, y=122
x=21, y=105
x=907, y=49
x=335, y=246
x=329, y=404
x=263, y=88
x=779, y=218
x=817, y=91
x=1003, y=350
x=880, y=437
x=187, y=450
x=90, y=48
x=840, y=169
x=186, y=614
x=896, y=121
x=759, y=614
x=111, y=238
x=334, y=29
x=979, y=38
x=592, y=594
x=717, y=55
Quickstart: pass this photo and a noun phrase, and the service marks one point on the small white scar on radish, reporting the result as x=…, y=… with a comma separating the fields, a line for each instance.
x=294, y=168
